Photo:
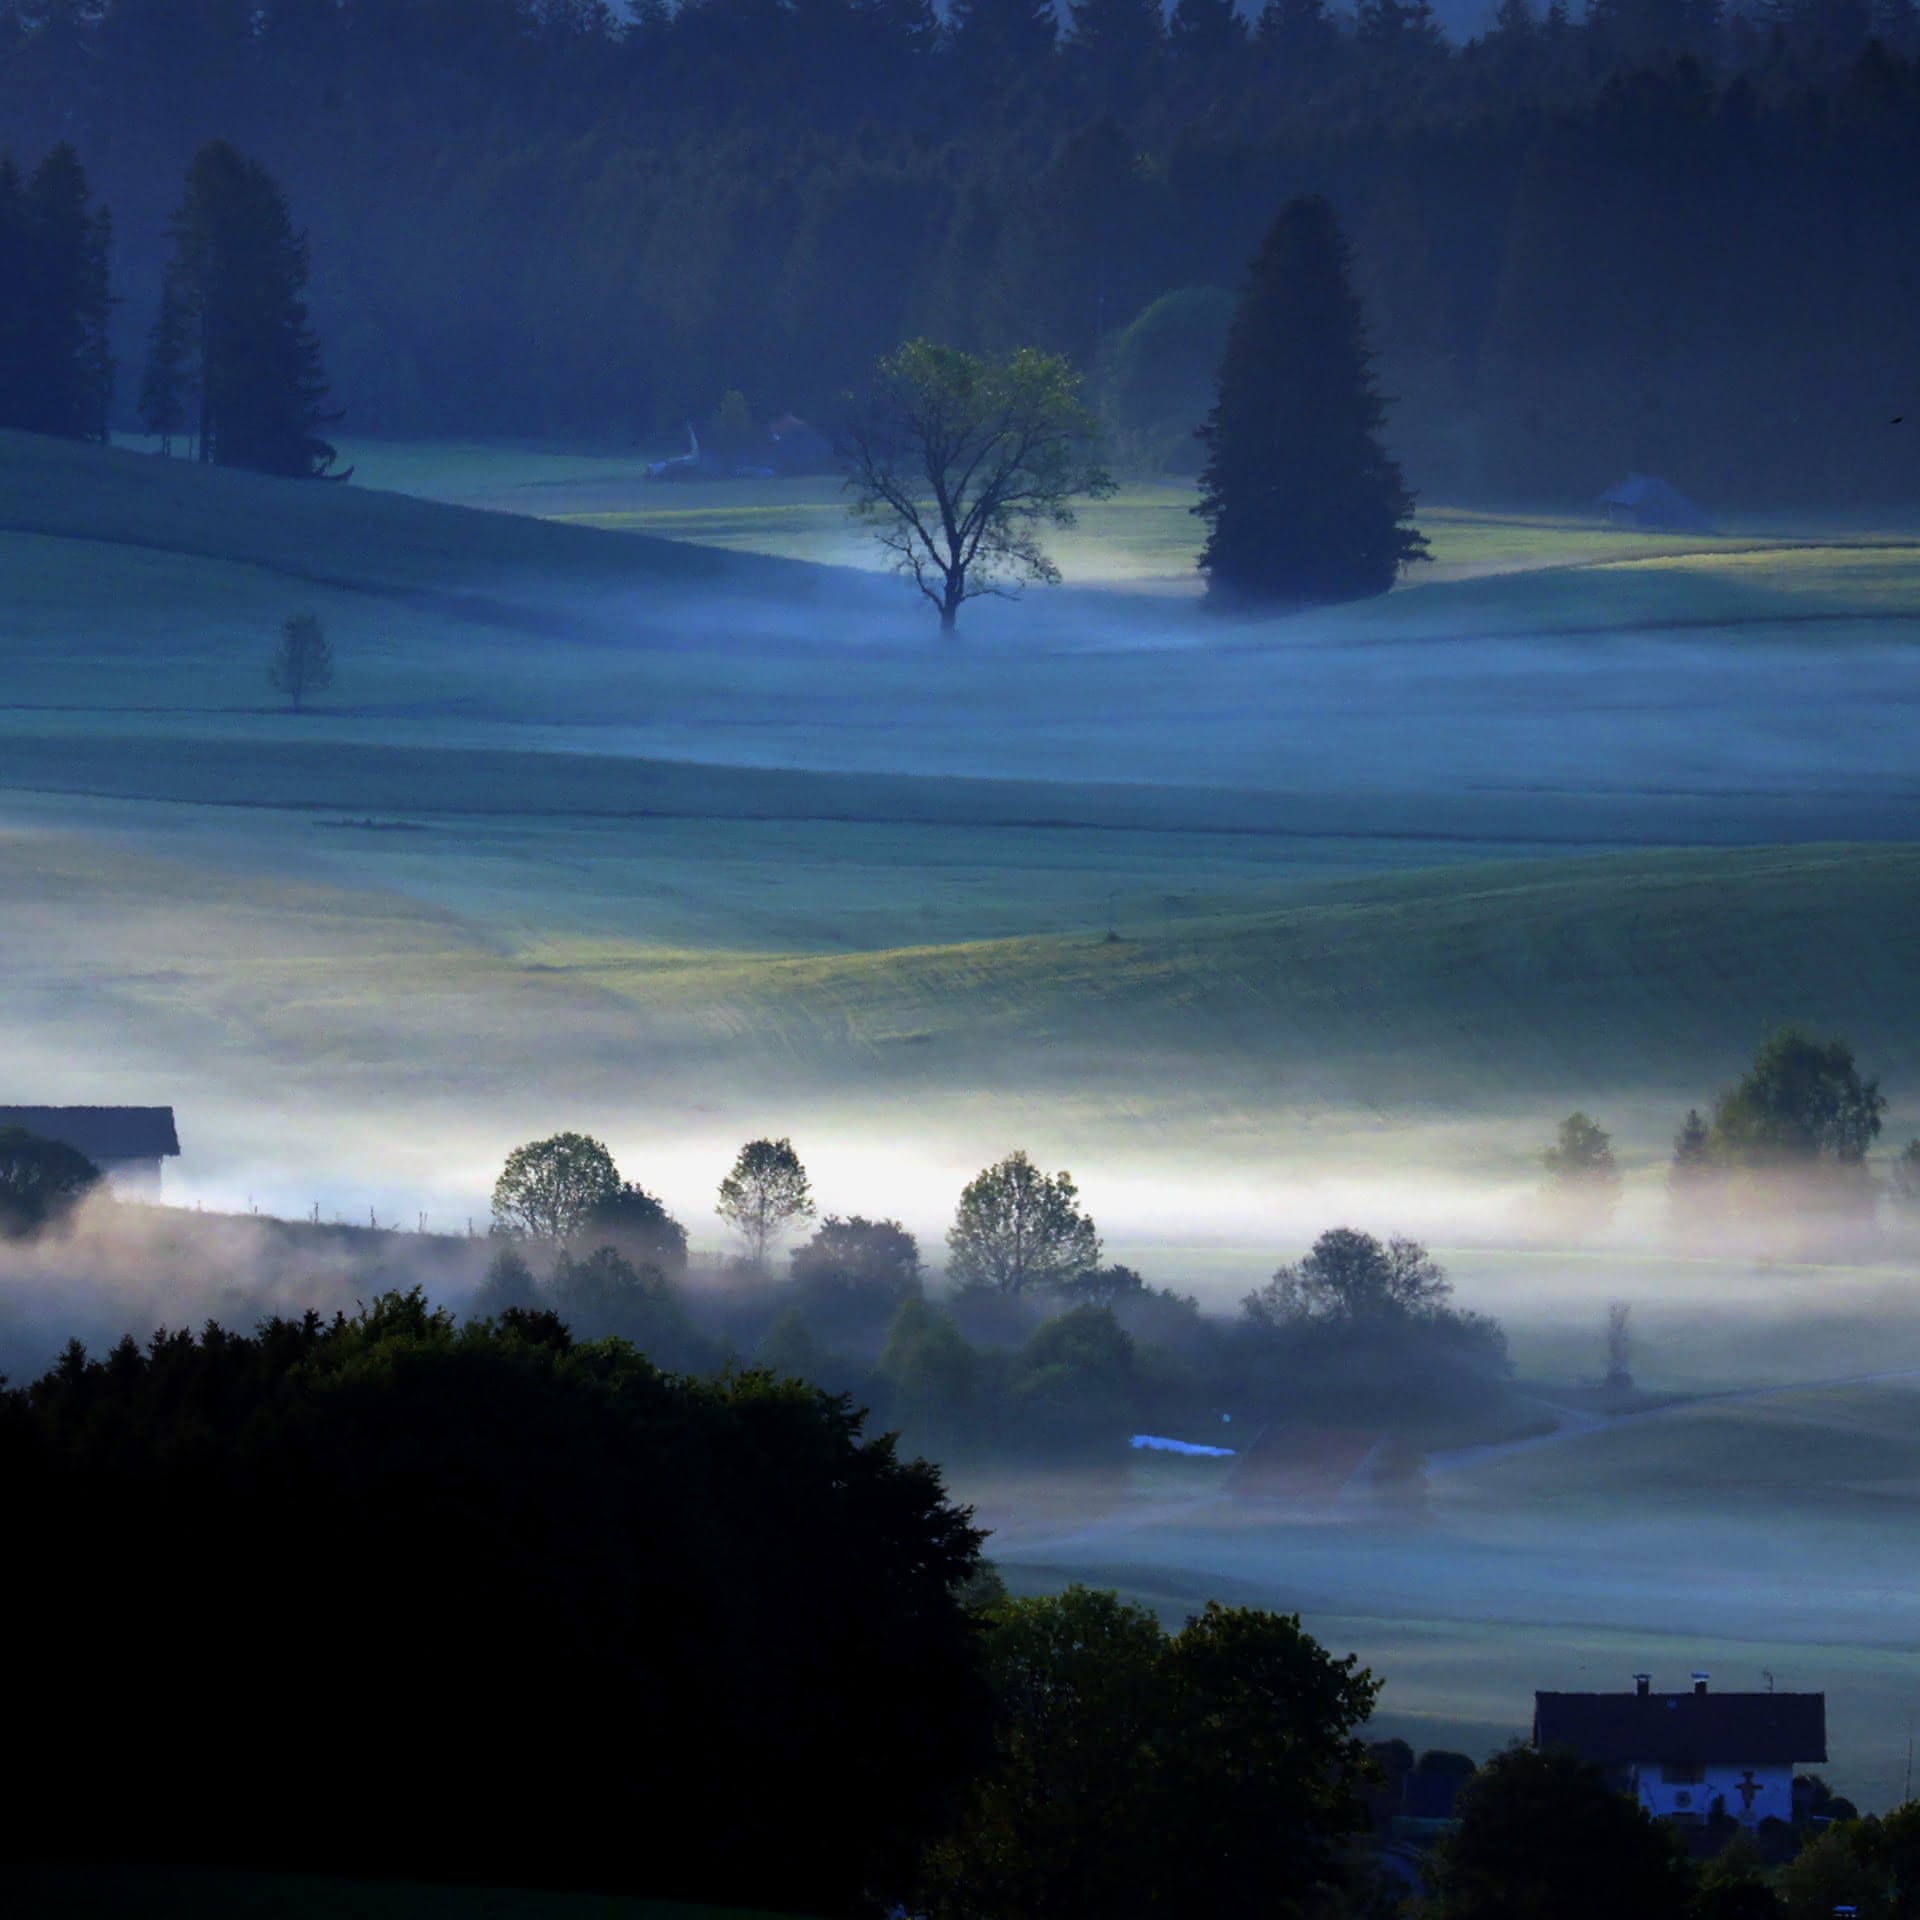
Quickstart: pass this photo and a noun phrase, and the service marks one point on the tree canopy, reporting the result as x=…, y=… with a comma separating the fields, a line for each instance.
x=1583, y=1178
x=1800, y=1105
x=550, y=1188
x=1542, y=1836
x=857, y=1255
x=1141, y=1773
x=40, y=1180
x=1351, y=1277
x=521, y=1542
x=957, y=461
x=1018, y=1229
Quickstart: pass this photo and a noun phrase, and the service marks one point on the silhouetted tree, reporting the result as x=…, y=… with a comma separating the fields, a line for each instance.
x=507, y=1285
x=1211, y=1771
x=1301, y=501
x=1072, y=1388
x=1018, y=1228
x=1351, y=1277
x=604, y=1296
x=764, y=1194
x=235, y=284
x=56, y=371
x=857, y=1255
x=993, y=39
x=302, y=663
x=1583, y=1179
x=732, y=1565
x=1543, y=1834
x=933, y=1379
x=1619, y=1344
x=1694, y=1177
x=637, y=1225
x=40, y=1180
x=1801, y=1104
x=549, y=1188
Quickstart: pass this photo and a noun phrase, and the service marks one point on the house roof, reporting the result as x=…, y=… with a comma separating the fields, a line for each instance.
x=1747, y=1729
x=1655, y=500
x=101, y=1133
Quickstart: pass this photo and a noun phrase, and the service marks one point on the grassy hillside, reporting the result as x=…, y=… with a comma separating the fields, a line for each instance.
x=349, y=535
x=1634, y=983
x=1470, y=983
x=1841, y=1448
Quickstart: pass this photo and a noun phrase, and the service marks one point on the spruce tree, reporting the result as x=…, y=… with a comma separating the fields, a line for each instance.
x=1302, y=503
x=233, y=327
x=56, y=373
x=73, y=301
x=165, y=390
x=992, y=38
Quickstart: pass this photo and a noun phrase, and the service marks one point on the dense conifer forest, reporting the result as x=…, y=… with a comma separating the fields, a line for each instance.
x=1660, y=235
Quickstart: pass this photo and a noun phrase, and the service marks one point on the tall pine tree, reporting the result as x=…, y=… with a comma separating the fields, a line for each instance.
x=56, y=373
x=232, y=329
x=1302, y=503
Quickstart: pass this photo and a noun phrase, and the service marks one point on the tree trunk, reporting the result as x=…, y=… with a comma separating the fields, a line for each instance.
x=950, y=604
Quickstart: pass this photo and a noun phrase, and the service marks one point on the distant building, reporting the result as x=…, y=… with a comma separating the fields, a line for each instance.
x=1690, y=1755
x=127, y=1144
x=1645, y=500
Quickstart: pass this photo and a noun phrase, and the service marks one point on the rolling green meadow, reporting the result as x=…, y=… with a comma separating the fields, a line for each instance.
x=658, y=811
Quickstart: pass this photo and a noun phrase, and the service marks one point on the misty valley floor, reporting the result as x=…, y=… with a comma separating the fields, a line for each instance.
x=656, y=812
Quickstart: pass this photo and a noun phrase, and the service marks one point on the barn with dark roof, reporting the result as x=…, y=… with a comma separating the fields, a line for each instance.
x=127, y=1144
x=1690, y=1754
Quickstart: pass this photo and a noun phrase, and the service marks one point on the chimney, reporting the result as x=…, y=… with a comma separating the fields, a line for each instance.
x=1700, y=1682
x=1641, y=1682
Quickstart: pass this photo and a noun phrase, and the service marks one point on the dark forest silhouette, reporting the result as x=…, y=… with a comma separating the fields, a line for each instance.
x=1665, y=236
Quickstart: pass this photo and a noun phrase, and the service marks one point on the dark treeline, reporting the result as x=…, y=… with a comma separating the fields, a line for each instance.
x=1662, y=235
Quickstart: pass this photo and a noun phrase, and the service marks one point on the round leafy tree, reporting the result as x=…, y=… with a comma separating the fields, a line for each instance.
x=1018, y=1228
x=549, y=1188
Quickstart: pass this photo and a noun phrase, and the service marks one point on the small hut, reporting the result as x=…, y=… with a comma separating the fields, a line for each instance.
x=1645, y=500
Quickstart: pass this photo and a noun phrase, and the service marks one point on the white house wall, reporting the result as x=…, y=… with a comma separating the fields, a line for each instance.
x=132, y=1179
x=1771, y=1796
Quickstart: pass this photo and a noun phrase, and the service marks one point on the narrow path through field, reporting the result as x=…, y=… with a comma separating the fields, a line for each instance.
x=1576, y=1421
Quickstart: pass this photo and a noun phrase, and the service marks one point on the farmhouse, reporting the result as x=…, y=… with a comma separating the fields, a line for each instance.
x=127, y=1144
x=1688, y=1756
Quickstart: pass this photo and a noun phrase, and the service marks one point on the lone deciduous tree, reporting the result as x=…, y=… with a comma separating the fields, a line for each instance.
x=1583, y=1180
x=302, y=663
x=957, y=462
x=1018, y=1228
x=549, y=1188
x=1303, y=505
x=766, y=1191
